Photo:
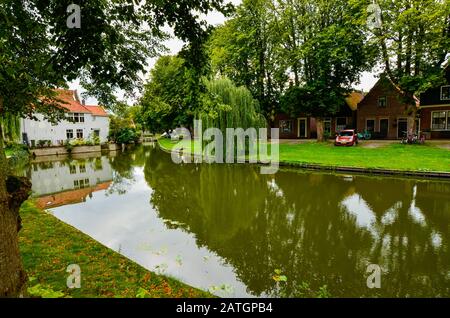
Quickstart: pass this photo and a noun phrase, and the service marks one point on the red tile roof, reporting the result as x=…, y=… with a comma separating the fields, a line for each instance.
x=97, y=110
x=69, y=197
x=71, y=102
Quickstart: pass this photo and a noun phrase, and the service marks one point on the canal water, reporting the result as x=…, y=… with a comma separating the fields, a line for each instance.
x=237, y=233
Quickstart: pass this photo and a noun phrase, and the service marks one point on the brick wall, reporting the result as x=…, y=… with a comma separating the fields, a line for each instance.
x=425, y=114
x=368, y=108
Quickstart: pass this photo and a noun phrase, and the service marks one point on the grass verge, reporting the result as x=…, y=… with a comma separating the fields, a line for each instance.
x=395, y=156
x=48, y=246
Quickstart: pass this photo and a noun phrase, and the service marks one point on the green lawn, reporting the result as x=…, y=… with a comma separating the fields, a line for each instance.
x=168, y=144
x=391, y=156
x=48, y=246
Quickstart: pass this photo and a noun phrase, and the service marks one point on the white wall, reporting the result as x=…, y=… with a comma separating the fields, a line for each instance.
x=43, y=130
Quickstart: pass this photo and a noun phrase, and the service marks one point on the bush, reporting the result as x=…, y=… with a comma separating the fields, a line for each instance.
x=127, y=136
x=44, y=143
x=19, y=155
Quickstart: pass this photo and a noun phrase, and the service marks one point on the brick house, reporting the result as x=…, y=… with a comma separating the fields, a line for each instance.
x=382, y=111
x=304, y=126
x=435, y=110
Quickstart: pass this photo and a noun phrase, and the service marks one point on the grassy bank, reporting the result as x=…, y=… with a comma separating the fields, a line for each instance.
x=392, y=156
x=395, y=156
x=48, y=246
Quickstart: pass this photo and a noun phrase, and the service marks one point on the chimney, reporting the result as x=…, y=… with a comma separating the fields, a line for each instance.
x=83, y=101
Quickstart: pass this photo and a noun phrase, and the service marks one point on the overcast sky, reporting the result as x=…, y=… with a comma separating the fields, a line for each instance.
x=174, y=45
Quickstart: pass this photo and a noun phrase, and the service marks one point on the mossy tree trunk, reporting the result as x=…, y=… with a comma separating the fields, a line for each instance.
x=13, y=192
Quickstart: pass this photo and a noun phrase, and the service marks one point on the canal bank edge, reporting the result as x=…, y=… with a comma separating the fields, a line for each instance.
x=356, y=170
x=104, y=272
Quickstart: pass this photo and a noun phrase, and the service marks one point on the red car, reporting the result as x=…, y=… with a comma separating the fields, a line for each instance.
x=346, y=138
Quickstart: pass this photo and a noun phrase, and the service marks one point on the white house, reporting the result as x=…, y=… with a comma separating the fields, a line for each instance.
x=87, y=121
x=61, y=176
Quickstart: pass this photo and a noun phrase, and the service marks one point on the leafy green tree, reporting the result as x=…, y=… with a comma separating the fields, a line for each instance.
x=163, y=104
x=414, y=40
x=332, y=48
x=247, y=49
x=122, y=130
x=227, y=106
x=39, y=52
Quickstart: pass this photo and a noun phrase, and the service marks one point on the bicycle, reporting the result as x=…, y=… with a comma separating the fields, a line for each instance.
x=411, y=139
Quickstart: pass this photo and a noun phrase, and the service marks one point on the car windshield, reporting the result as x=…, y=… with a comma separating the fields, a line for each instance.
x=346, y=133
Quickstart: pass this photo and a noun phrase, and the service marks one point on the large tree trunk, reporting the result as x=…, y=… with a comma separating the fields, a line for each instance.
x=13, y=192
x=320, y=128
x=412, y=114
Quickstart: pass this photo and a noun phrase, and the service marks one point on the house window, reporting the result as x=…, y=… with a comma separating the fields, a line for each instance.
x=382, y=102
x=445, y=92
x=341, y=123
x=370, y=125
x=327, y=126
x=79, y=133
x=81, y=184
x=73, y=169
x=69, y=133
x=76, y=117
x=82, y=168
x=286, y=126
x=438, y=120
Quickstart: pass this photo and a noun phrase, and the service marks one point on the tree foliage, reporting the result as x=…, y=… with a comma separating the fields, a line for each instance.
x=38, y=53
x=166, y=103
x=227, y=106
x=414, y=40
x=247, y=49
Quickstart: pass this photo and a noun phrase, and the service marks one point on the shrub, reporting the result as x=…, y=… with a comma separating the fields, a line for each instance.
x=127, y=136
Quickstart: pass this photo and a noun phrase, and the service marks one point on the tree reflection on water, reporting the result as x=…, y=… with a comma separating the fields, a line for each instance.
x=316, y=228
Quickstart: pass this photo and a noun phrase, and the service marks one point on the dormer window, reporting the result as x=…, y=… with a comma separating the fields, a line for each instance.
x=445, y=92
x=382, y=102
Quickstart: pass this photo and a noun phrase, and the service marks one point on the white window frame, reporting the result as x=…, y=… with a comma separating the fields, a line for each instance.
x=442, y=92
x=447, y=114
x=67, y=133
x=328, y=120
x=82, y=133
x=306, y=127
x=404, y=119
x=281, y=128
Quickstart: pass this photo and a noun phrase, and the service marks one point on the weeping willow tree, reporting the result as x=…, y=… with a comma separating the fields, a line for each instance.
x=10, y=127
x=224, y=106
x=227, y=106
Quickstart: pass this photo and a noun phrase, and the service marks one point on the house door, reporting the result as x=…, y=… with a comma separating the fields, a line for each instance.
x=402, y=127
x=384, y=127
x=302, y=128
